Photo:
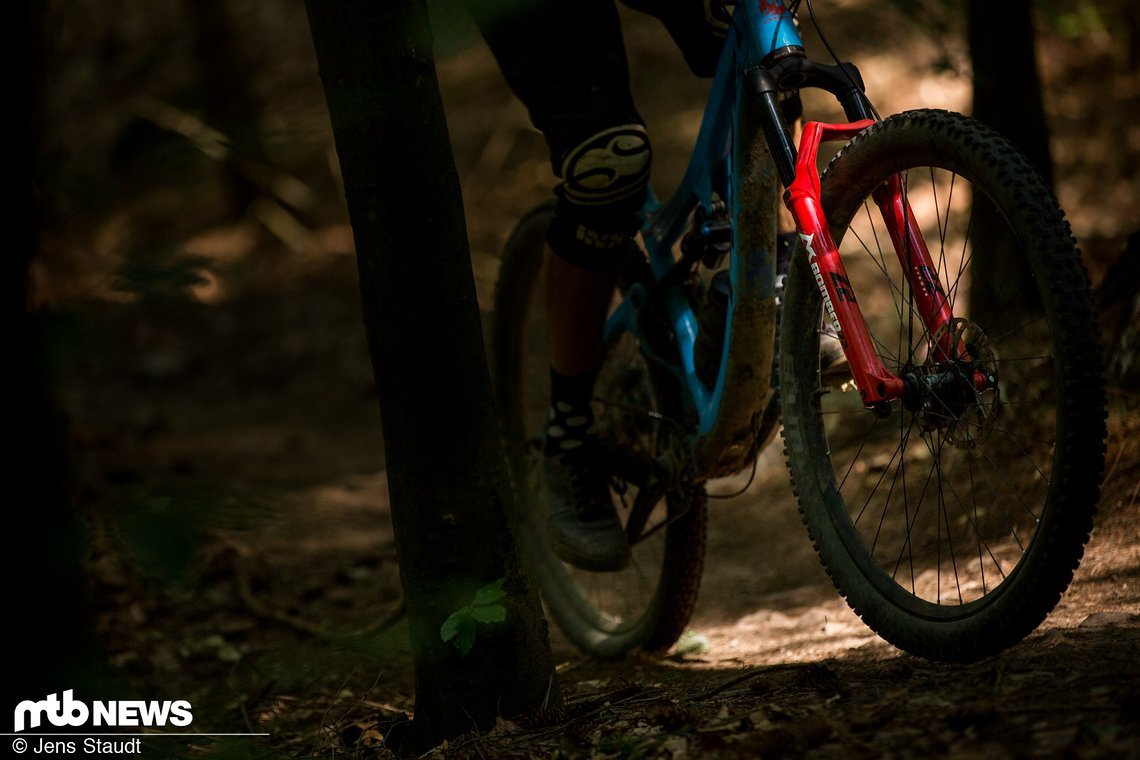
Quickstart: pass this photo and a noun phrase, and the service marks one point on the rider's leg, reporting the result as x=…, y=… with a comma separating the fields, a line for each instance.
x=583, y=525
x=604, y=181
x=577, y=300
x=566, y=62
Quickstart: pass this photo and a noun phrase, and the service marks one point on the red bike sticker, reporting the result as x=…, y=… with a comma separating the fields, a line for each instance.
x=771, y=8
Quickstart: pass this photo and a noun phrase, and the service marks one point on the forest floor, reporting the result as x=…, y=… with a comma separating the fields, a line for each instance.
x=230, y=464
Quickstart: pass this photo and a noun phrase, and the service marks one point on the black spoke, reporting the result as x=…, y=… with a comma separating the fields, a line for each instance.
x=940, y=418
x=926, y=511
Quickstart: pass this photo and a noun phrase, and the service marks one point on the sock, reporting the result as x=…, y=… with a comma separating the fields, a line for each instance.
x=570, y=424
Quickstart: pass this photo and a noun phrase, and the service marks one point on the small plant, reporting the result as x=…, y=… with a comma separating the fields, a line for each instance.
x=484, y=608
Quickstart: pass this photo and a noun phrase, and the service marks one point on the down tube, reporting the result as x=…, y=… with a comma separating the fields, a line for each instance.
x=744, y=383
x=665, y=225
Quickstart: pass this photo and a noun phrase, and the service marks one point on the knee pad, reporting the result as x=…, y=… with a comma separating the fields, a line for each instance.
x=607, y=167
x=604, y=181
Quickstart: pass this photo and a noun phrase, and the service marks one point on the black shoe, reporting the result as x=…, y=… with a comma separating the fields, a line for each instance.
x=832, y=360
x=583, y=525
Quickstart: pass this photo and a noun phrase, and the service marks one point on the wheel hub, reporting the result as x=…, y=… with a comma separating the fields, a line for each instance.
x=959, y=397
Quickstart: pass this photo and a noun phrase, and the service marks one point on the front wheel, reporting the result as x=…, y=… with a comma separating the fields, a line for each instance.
x=647, y=605
x=954, y=524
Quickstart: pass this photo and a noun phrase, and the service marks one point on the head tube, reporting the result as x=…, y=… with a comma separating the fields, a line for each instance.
x=771, y=30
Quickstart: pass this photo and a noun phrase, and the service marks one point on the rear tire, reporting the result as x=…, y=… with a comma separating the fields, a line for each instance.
x=648, y=605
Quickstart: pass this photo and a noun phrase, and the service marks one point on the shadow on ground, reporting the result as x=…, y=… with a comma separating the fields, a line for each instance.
x=229, y=460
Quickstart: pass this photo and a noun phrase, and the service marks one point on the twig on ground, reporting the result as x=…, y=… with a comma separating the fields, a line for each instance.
x=245, y=593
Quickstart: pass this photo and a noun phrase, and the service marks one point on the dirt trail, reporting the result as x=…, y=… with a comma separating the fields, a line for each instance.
x=236, y=430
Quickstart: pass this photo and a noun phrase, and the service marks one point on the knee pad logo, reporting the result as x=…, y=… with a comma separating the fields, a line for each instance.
x=609, y=166
x=606, y=241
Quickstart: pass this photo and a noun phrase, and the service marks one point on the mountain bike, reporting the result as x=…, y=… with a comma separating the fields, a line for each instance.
x=948, y=478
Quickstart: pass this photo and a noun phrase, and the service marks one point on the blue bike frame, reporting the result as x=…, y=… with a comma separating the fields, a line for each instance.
x=758, y=30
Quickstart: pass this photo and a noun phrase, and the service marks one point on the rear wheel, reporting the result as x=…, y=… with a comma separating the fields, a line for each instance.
x=647, y=605
x=954, y=524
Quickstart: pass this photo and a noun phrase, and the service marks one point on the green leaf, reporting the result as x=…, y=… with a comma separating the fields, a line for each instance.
x=490, y=613
x=466, y=637
x=450, y=627
x=490, y=593
x=460, y=626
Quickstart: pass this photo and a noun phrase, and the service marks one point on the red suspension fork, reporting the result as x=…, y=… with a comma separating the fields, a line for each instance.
x=877, y=386
x=922, y=272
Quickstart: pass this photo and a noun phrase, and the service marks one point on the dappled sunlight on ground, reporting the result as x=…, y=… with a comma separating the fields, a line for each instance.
x=218, y=388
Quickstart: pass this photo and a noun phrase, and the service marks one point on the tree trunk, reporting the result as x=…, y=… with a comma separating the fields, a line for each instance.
x=49, y=636
x=447, y=480
x=1007, y=88
x=1007, y=97
x=226, y=96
